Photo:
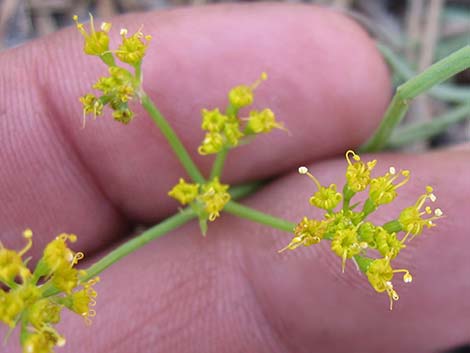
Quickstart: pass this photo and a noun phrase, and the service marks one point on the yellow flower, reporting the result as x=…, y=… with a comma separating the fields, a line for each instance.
x=65, y=279
x=367, y=233
x=213, y=142
x=132, y=49
x=44, y=312
x=387, y=243
x=232, y=133
x=96, y=42
x=91, y=105
x=213, y=120
x=382, y=190
x=346, y=245
x=83, y=300
x=11, y=306
x=124, y=116
x=43, y=341
x=352, y=237
x=263, y=121
x=57, y=255
x=214, y=195
x=326, y=198
x=358, y=174
x=11, y=264
x=411, y=218
x=242, y=96
x=119, y=87
x=307, y=232
x=380, y=275
x=184, y=192
x=30, y=305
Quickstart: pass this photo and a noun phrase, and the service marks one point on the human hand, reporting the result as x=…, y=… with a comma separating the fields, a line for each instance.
x=230, y=291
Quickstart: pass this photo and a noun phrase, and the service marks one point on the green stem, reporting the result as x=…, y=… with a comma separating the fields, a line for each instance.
x=393, y=226
x=218, y=165
x=445, y=92
x=424, y=130
x=132, y=245
x=173, y=140
x=240, y=191
x=439, y=72
x=259, y=217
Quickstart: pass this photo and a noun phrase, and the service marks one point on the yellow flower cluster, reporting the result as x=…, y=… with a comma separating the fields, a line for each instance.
x=122, y=85
x=372, y=247
x=226, y=130
x=206, y=199
x=26, y=299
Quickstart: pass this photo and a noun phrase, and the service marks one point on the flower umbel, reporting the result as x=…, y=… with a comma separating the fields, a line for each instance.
x=207, y=199
x=25, y=301
x=123, y=84
x=371, y=246
x=225, y=131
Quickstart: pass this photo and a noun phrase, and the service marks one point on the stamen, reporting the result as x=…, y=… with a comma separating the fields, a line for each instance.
x=263, y=77
x=304, y=170
x=354, y=156
x=77, y=257
x=27, y=234
x=392, y=170
x=407, y=277
x=438, y=212
x=92, y=24
x=343, y=263
x=105, y=27
x=80, y=27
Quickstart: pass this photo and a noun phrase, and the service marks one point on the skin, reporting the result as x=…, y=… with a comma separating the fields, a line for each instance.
x=230, y=291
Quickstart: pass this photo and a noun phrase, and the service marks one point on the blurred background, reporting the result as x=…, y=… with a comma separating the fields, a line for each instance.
x=411, y=34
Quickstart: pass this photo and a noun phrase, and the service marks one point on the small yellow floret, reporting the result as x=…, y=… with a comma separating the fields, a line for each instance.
x=387, y=243
x=215, y=196
x=263, y=121
x=326, y=198
x=232, y=134
x=43, y=341
x=213, y=120
x=44, y=312
x=184, y=192
x=382, y=190
x=242, y=96
x=83, y=300
x=307, y=232
x=380, y=275
x=11, y=305
x=346, y=245
x=412, y=218
x=123, y=116
x=132, y=49
x=213, y=142
x=96, y=42
x=57, y=255
x=358, y=174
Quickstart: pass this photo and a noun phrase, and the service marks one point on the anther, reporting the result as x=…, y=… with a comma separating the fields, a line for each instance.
x=303, y=170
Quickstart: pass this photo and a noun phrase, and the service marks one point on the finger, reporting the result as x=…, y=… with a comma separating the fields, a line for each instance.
x=233, y=292
x=58, y=177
